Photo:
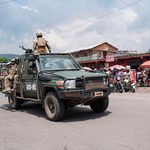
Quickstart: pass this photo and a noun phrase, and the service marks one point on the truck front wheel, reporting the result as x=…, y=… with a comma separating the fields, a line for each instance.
x=99, y=105
x=54, y=107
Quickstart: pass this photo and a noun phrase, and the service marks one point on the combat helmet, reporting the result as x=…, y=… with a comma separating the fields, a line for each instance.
x=16, y=60
x=39, y=34
x=13, y=60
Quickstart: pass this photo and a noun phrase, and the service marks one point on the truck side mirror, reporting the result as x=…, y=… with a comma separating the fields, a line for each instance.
x=45, y=77
x=31, y=71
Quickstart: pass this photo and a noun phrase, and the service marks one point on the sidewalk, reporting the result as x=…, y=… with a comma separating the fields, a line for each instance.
x=143, y=89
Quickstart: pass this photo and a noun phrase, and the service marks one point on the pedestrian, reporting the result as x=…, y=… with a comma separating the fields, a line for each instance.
x=148, y=78
x=144, y=74
x=41, y=46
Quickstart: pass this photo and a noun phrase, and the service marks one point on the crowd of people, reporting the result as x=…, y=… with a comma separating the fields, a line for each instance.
x=141, y=77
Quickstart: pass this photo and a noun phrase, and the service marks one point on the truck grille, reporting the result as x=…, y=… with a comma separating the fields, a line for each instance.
x=80, y=83
x=90, y=83
x=93, y=83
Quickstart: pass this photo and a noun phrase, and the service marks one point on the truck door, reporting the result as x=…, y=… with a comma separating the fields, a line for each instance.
x=29, y=74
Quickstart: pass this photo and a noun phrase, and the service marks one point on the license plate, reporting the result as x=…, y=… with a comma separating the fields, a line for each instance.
x=98, y=93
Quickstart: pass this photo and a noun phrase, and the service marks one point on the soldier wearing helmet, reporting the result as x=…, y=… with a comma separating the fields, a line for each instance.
x=11, y=76
x=41, y=46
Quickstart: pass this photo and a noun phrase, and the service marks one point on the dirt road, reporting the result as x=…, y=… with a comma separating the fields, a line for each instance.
x=124, y=126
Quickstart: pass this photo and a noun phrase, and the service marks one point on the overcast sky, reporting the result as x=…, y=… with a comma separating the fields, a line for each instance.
x=71, y=25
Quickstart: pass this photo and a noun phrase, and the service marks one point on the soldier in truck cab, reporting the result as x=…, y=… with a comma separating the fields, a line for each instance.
x=41, y=46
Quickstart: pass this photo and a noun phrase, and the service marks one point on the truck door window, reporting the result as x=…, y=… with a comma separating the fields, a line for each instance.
x=29, y=65
x=32, y=68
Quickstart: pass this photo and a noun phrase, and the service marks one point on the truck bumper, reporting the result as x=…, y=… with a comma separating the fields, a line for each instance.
x=82, y=94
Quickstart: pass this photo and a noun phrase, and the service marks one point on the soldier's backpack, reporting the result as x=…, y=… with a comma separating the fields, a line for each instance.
x=41, y=42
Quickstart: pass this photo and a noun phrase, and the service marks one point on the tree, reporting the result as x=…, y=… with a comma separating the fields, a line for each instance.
x=4, y=60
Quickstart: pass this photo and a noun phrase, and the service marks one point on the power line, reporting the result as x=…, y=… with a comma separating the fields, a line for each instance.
x=6, y=2
x=102, y=16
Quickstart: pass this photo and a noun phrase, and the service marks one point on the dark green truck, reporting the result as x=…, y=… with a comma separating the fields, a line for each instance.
x=57, y=81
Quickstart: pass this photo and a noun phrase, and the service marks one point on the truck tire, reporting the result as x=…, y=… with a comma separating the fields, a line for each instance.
x=54, y=107
x=99, y=105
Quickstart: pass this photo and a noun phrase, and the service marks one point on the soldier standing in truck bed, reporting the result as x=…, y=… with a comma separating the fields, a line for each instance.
x=41, y=46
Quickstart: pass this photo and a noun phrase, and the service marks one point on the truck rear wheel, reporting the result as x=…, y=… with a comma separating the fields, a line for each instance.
x=54, y=107
x=99, y=105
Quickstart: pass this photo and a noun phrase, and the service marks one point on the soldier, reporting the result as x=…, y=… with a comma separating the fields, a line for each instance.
x=16, y=76
x=41, y=46
x=12, y=75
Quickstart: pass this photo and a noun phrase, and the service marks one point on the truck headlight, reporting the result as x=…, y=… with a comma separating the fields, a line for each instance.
x=70, y=84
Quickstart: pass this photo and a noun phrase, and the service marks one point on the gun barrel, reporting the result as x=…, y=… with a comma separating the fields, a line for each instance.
x=23, y=47
x=26, y=49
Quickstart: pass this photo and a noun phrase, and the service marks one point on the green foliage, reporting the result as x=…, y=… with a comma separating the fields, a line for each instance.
x=4, y=60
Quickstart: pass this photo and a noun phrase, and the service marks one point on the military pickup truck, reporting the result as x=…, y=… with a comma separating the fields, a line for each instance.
x=58, y=82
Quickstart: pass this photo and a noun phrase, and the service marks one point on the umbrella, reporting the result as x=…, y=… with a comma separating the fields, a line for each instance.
x=117, y=67
x=145, y=64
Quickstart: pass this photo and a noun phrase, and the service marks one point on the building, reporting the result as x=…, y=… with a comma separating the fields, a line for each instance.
x=125, y=52
x=106, y=55
x=90, y=57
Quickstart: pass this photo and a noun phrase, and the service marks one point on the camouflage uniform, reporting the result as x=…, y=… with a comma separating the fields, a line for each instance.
x=16, y=77
x=12, y=75
x=41, y=46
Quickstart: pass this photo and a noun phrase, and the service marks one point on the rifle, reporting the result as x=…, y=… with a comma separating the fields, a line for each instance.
x=27, y=50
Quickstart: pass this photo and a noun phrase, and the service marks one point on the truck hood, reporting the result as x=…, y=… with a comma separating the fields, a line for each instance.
x=78, y=73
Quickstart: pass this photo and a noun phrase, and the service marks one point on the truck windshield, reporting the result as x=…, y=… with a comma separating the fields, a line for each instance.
x=58, y=62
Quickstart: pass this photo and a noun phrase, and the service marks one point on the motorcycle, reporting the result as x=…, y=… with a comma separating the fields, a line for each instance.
x=118, y=85
x=140, y=81
x=128, y=86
